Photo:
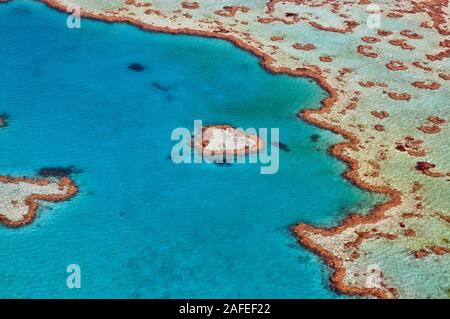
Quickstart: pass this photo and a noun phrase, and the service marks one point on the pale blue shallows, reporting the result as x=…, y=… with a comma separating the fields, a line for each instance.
x=142, y=226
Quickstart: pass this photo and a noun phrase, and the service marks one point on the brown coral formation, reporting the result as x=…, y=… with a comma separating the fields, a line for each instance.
x=370, y=39
x=277, y=38
x=425, y=85
x=138, y=4
x=439, y=56
x=437, y=250
x=422, y=65
x=436, y=120
x=304, y=47
x=433, y=125
x=349, y=26
x=444, y=76
x=400, y=96
x=425, y=168
x=230, y=11
x=411, y=35
x=370, y=84
x=326, y=58
x=396, y=66
x=381, y=115
x=190, y=5
x=429, y=129
x=32, y=201
x=410, y=145
x=384, y=33
x=402, y=44
x=366, y=50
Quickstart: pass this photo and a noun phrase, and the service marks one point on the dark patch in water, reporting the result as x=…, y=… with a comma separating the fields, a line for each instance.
x=160, y=87
x=21, y=10
x=304, y=258
x=3, y=120
x=222, y=161
x=222, y=164
x=58, y=171
x=281, y=146
x=136, y=67
x=315, y=137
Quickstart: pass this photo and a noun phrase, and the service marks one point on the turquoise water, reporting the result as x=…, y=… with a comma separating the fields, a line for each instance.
x=141, y=225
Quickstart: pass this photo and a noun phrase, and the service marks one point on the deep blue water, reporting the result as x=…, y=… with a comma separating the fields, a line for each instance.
x=142, y=226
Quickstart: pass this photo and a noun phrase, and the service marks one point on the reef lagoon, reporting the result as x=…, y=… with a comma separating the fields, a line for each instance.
x=104, y=100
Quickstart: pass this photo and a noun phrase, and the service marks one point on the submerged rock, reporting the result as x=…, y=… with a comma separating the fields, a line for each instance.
x=281, y=146
x=315, y=137
x=136, y=67
x=223, y=161
x=160, y=87
x=58, y=171
x=423, y=166
x=3, y=120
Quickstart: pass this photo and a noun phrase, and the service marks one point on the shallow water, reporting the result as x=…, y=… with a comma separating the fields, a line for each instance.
x=141, y=225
